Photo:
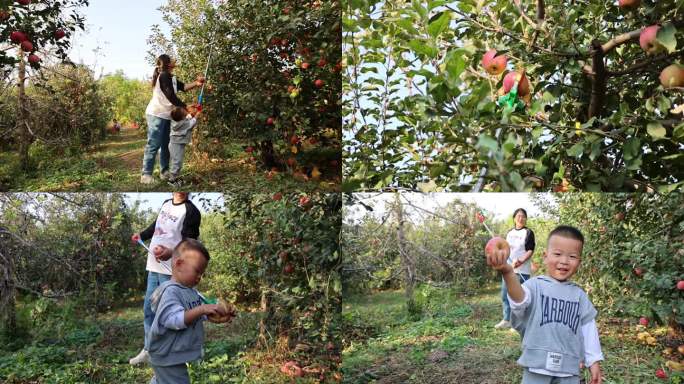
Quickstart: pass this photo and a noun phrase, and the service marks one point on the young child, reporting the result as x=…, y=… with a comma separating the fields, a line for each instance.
x=177, y=332
x=183, y=121
x=554, y=316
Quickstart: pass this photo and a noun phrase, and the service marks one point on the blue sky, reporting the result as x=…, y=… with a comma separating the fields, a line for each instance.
x=120, y=28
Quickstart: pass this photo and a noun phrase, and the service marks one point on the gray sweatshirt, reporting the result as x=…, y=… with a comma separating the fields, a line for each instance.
x=168, y=346
x=551, y=325
x=181, y=131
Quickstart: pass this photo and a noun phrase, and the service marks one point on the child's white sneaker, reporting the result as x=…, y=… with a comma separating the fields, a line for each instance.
x=503, y=324
x=146, y=179
x=143, y=357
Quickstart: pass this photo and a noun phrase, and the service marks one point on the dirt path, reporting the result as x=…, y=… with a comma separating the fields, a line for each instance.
x=124, y=150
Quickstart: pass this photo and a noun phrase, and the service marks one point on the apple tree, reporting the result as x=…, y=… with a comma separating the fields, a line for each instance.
x=291, y=242
x=273, y=80
x=430, y=102
x=31, y=31
x=633, y=258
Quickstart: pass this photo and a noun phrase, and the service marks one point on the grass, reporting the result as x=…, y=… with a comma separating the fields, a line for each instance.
x=98, y=349
x=114, y=165
x=452, y=340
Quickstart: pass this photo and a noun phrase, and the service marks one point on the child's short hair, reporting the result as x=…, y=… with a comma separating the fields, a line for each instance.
x=178, y=114
x=193, y=245
x=567, y=231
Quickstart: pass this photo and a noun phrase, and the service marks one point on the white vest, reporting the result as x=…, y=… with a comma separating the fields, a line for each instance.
x=160, y=106
x=516, y=240
x=167, y=232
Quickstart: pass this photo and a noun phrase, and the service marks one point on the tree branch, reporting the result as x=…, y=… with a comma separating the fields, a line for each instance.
x=598, y=80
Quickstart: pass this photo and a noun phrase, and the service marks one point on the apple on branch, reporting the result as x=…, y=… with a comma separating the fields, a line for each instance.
x=494, y=65
x=672, y=76
x=648, y=40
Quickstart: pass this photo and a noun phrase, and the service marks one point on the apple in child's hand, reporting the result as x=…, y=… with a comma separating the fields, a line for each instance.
x=497, y=251
x=224, y=313
x=201, y=79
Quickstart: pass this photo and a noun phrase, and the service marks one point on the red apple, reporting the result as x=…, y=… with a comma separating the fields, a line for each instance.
x=680, y=285
x=629, y=3
x=249, y=149
x=289, y=268
x=304, y=201
x=638, y=271
x=33, y=59
x=497, y=243
x=4, y=15
x=643, y=321
x=24, y=2
x=661, y=374
x=26, y=46
x=338, y=67
x=672, y=76
x=277, y=196
x=319, y=83
x=493, y=64
x=294, y=140
x=648, y=40
x=523, y=83
x=304, y=65
x=322, y=62
x=18, y=37
x=270, y=121
x=59, y=34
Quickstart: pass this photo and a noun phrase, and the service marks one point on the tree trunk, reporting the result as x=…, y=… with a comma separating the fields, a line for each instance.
x=7, y=289
x=407, y=263
x=22, y=116
x=266, y=314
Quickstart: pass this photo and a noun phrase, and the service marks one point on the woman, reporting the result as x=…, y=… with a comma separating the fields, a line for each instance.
x=521, y=241
x=158, y=114
x=178, y=219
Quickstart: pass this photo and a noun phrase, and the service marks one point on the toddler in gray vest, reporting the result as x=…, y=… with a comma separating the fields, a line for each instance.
x=554, y=316
x=176, y=336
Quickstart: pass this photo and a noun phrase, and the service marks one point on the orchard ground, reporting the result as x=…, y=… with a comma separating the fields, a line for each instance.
x=453, y=341
x=96, y=350
x=115, y=163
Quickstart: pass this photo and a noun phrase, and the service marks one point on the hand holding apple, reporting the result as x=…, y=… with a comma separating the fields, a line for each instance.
x=200, y=80
x=222, y=313
x=497, y=251
x=161, y=253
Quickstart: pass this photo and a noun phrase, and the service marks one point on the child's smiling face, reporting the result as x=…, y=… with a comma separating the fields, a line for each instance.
x=562, y=257
x=189, y=267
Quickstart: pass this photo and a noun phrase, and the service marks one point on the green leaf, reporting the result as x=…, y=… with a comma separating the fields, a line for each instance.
x=487, y=142
x=656, y=130
x=576, y=150
x=424, y=48
x=666, y=37
x=438, y=24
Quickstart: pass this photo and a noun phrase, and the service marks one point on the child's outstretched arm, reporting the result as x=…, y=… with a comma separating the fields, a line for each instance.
x=498, y=259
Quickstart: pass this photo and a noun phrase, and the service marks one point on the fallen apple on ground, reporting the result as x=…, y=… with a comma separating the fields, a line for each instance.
x=643, y=321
